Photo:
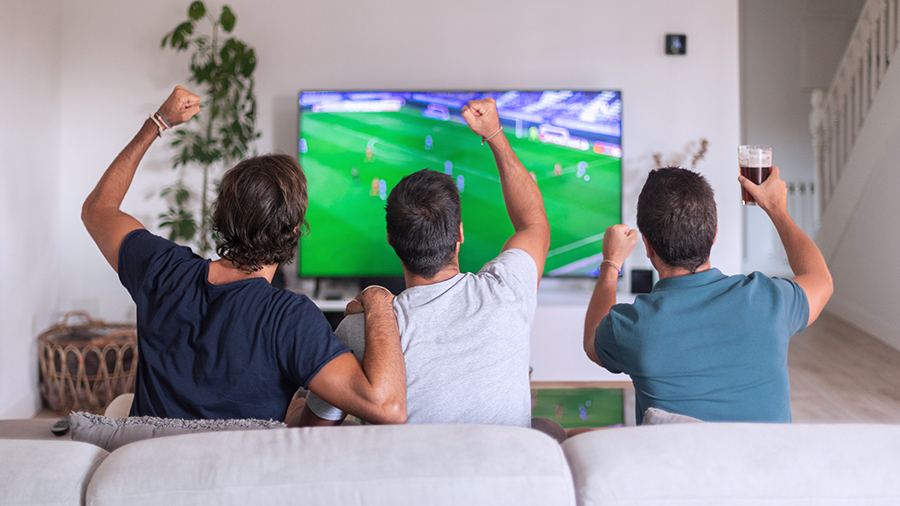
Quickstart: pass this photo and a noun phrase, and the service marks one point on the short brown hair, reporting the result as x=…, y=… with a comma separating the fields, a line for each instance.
x=260, y=212
x=676, y=213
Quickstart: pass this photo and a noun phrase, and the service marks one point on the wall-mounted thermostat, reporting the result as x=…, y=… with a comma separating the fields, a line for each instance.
x=676, y=44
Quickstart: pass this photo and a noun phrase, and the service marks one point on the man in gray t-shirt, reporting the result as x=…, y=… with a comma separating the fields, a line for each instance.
x=465, y=337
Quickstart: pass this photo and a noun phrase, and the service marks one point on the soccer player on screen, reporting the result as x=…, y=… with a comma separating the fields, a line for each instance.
x=465, y=335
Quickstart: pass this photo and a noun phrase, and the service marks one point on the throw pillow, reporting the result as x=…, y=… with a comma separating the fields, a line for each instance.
x=655, y=416
x=112, y=433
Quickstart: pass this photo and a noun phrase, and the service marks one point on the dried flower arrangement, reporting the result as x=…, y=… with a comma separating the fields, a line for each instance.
x=695, y=152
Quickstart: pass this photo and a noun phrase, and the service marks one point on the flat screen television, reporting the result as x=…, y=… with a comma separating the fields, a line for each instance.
x=356, y=145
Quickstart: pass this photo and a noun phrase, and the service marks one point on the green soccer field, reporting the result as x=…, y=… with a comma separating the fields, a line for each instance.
x=355, y=159
x=579, y=407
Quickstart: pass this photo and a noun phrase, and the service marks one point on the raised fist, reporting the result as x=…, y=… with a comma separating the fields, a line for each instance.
x=181, y=106
x=618, y=243
x=481, y=116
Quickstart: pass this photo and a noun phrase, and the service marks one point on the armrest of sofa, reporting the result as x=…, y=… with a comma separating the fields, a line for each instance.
x=46, y=472
x=737, y=464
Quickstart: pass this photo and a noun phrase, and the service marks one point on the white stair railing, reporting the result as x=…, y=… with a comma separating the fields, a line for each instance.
x=838, y=114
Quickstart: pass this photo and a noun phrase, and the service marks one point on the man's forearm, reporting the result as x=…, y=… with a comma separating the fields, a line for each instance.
x=802, y=253
x=602, y=300
x=114, y=184
x=524, y=202
x=383, y=360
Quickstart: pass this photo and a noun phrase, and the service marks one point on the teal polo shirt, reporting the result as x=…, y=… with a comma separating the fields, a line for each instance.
x=707, y=345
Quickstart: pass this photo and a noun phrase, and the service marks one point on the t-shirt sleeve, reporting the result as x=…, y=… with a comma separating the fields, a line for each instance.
x=795, y=304
x=306, y=342
x=516, y=268
x=139, y=256
x=609, y=350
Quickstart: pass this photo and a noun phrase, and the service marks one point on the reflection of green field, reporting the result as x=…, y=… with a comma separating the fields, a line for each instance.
x=579, y=407
x=347, y=229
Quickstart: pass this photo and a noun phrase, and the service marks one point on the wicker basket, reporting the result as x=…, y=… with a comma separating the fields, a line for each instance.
x=85, y=366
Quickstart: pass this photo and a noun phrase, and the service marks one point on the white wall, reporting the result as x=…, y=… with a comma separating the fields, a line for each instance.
x=788, y=48
x=90, y=72
x=115, y=73
x=29, y=193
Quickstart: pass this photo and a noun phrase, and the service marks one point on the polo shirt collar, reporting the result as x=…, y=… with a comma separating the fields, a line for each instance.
x=690, y=280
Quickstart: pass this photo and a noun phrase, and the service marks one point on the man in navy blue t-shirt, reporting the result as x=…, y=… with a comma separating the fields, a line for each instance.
x=215, y=339
x=703, y=344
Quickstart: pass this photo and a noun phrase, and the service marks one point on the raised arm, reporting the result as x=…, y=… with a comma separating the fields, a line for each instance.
x=810, y=270
x=618, y=243
x=101, y=215
x=520, y=192
x=375, y=392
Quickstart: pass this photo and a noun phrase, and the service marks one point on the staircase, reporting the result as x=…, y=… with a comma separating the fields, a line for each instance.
x=856, y=136
x=838, y=114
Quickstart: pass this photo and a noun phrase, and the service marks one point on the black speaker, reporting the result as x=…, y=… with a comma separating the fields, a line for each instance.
x=641, y=280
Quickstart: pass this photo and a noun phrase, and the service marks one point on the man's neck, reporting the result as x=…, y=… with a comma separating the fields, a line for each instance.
x=443, y=275
x=222, y=272
x=666, y=271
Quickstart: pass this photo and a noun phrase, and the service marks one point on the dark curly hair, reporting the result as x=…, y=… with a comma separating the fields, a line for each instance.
x=259, y=214
x=676, y=213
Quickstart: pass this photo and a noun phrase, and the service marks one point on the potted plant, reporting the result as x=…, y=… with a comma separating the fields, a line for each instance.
x=225, y=130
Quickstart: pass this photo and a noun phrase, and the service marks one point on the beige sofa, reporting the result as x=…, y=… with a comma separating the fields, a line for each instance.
x=714, y=464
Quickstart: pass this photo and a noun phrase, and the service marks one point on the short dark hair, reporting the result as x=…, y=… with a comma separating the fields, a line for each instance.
x=423, y=216
x=676, y=213
x=259, y=214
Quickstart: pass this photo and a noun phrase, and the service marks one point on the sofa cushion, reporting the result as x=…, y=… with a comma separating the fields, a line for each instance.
x=112, y=433
x=372, y=465
x=737, y=464
x=656, y=416
x=46, y=472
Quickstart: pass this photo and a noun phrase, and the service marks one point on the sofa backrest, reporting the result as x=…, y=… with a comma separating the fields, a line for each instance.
x=737, y=464
x=46, y=472
x=389, y=465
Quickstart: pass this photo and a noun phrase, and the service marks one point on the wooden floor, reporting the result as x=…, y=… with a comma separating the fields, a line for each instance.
x=840, y=374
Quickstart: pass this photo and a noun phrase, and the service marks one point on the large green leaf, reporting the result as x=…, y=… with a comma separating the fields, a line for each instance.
x=248, y=63
x=180, y=33
x=197, y=10
x=227, y=19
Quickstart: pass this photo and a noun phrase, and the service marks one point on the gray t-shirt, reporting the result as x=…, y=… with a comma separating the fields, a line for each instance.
x=466, y=343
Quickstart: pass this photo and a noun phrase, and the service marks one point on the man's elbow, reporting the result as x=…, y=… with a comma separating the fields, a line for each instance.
x=392, y=412
x=591, y=353
x=396, y=413
x=87, y=211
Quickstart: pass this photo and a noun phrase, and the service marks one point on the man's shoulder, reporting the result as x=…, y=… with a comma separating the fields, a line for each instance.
x=513, y=258
x=513, y=267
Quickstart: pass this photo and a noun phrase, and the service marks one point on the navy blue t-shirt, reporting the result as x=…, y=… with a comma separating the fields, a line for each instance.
x=238, y=350
x=707, y=345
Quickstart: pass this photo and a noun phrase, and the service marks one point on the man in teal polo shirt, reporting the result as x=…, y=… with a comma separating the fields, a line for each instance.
x=703, y=344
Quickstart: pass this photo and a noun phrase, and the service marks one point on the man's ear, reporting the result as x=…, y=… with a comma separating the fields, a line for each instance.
x=388, y=237
x=461, y=239
x=651, y=254
x=717, y=234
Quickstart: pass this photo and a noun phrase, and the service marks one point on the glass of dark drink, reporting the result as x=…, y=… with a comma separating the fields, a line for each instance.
x=756, y=163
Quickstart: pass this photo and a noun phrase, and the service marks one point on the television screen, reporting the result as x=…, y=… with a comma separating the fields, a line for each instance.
x=355, y=146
